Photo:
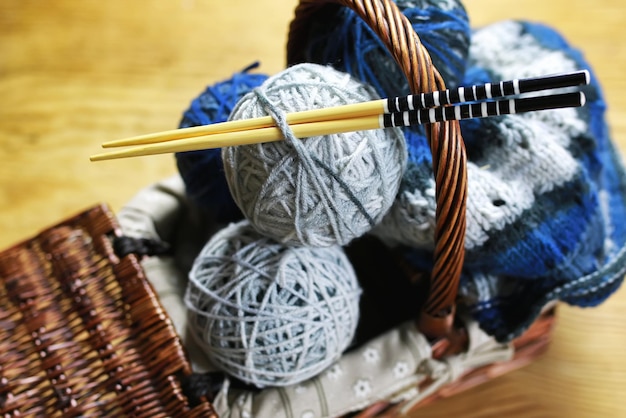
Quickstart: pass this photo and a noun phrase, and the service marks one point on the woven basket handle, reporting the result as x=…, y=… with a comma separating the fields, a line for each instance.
x=446, y=145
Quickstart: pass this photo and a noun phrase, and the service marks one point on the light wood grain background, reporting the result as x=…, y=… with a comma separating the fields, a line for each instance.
x=76, y=73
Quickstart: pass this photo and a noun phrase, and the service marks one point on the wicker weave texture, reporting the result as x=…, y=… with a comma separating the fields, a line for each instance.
x=82, y=332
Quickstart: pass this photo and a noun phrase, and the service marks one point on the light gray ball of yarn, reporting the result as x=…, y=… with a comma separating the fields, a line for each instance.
x=318, y=191
x=270, y=314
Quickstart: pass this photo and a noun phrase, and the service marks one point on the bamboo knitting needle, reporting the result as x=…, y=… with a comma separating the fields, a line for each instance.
x=375, y=107
x=387, y=120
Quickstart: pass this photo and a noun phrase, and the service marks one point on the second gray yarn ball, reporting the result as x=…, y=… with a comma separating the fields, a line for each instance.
x=270, y=314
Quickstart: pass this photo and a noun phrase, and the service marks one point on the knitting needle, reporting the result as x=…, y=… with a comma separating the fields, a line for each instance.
x=375, y=107
x=387, y=120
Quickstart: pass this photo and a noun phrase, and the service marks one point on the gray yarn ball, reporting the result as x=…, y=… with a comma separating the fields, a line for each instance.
x=270, y=314
x=318, y=191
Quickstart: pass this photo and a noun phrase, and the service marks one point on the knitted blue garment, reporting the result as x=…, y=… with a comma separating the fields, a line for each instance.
x=202, y=171
x=546, y=192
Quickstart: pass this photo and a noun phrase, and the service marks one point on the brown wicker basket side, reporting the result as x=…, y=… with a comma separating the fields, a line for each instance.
x=82, y=332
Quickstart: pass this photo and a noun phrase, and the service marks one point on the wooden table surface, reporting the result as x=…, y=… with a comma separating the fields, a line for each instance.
x=76, y=73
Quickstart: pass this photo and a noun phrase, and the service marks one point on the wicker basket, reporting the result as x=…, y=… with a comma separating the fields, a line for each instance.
x=82, y=332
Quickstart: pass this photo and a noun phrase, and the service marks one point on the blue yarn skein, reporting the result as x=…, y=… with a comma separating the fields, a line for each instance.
x=346, y=42
x=202, y=171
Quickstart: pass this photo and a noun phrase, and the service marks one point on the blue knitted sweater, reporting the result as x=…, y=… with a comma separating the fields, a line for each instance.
x=546, y=192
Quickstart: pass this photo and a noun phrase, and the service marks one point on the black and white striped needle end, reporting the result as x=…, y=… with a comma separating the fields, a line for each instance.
x=481, y=110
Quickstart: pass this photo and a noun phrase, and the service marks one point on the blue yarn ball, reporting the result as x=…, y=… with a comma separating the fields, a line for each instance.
x=202, y=171
x=344, y=41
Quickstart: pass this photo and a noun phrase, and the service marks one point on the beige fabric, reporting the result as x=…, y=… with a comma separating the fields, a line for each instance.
x=161, y=211
x=388, y=367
